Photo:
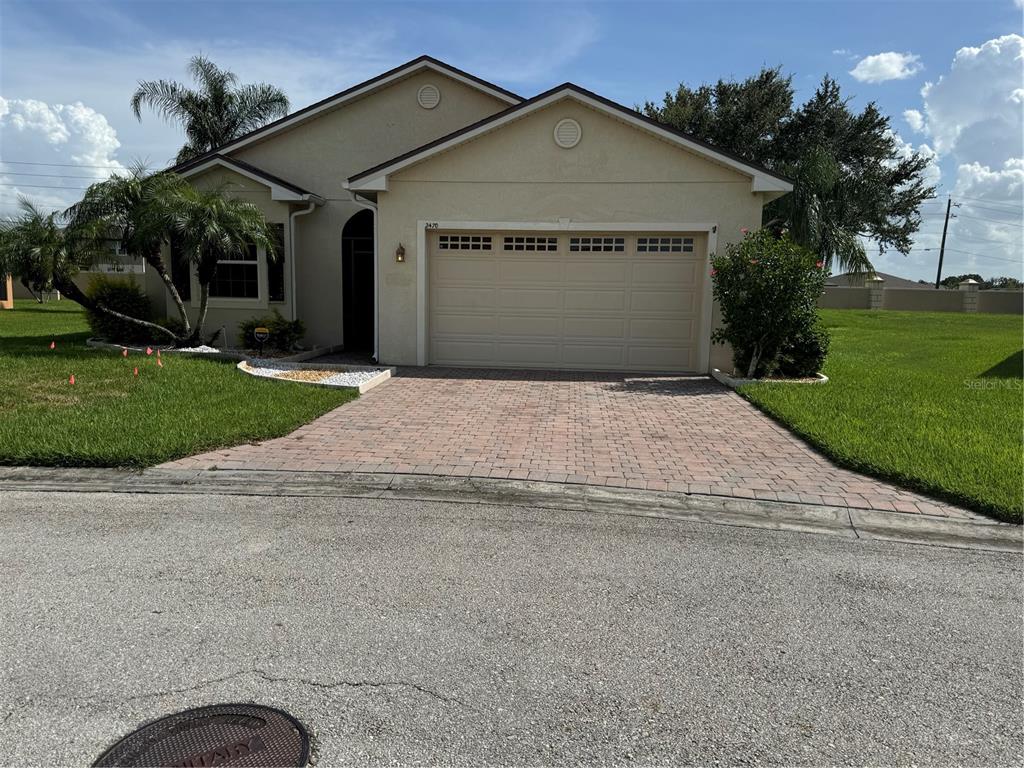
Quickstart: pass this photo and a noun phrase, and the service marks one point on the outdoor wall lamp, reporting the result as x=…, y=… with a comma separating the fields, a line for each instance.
x=400, y=254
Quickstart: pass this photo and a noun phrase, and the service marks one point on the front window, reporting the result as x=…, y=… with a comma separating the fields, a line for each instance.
x=237, y=278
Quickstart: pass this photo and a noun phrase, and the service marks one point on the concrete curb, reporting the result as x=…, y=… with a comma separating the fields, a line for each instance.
x=714, y=510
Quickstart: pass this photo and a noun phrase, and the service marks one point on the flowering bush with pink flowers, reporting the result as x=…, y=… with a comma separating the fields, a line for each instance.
x=767, y=288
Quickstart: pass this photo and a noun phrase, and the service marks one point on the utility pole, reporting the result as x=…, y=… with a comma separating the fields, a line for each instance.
x=942, y=247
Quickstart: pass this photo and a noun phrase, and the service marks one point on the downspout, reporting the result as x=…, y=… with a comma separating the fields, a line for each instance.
x=372, y=206
x=291, y=244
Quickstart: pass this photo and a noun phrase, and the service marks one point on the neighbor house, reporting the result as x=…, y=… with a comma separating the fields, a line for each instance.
x=428, y=217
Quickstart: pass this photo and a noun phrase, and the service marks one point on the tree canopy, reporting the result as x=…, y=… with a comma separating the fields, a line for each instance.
x=853, y=178
x=217, y=112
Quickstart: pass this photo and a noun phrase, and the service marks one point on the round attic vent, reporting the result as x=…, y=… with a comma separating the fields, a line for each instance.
x=567, y=133
x=429, y=96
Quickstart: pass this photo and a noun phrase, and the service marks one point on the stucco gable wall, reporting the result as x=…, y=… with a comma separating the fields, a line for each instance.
x=609, y=150
x=320, y=154
x=617, y=173
x=230, y=313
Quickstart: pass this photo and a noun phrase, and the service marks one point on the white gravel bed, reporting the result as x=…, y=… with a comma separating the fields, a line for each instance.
x=361, y=379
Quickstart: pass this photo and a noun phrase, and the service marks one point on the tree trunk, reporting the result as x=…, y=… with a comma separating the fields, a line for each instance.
x=75, y=294
x=28, y=287
x=755, y=357
x=157, y=264
x=204, y=303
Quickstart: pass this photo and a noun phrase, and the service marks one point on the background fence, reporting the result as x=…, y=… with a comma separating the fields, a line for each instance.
x=874, y=295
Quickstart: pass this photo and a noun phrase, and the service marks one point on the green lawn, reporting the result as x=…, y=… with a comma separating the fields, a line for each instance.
x=111, y=418
x=932, y=401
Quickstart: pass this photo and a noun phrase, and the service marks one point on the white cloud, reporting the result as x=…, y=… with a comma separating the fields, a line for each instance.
x=887, y=66
x=974, y=111
x=74, y=142
x=914, y=119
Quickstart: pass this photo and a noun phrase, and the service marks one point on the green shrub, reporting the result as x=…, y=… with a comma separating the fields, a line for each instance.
x=804, y=352
x=284, y=334
x=124, y=296
x=767, y=288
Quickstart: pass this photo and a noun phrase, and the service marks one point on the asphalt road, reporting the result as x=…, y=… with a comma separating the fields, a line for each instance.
x=408, y=632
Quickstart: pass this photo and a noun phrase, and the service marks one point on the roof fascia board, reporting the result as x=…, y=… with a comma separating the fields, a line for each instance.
x=277, y=192
x=760, y=182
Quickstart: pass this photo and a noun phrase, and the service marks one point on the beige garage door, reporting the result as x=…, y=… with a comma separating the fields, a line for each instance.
x=565, y=300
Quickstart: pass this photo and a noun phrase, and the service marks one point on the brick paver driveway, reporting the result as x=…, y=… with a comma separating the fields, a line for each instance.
x=656, y=433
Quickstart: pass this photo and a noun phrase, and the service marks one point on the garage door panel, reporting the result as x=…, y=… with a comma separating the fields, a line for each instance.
x=463, y=351
x=464, y=297
x=614, y=310
x=677, y=302
x=531, y=271
x=595, y=271
x=584, y=298
x=594, y=327
x=659, y=329
x=666, y=272
x=529, y=353
x=450, y=323
x=460, y=270
x=529, y=298
x=593, y=355
x=530, y=325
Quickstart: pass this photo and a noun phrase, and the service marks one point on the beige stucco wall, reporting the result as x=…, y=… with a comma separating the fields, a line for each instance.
x=642, y=179
x=230, y=312
x=1001, y=302
x=321, y=154
x=916, y=300
x=841, y=297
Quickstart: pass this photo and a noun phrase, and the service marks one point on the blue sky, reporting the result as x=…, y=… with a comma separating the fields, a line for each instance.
x=67, y=70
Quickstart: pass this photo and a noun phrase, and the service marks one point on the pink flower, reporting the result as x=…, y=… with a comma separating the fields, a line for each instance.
x=753, y=261
x=819, y=264
x=714, y=271
x=53, y=345
x=744, y=230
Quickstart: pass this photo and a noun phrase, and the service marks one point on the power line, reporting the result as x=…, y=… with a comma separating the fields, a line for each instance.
x=48, y=175
x=977, y=255
x=40, y=186
x=988, y=201
x=60, y=165
x=993, y=221
x=988, y=240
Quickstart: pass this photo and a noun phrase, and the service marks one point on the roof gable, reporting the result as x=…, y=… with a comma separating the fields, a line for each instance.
x=762, y=179
x=280, y=189
x=419, y=64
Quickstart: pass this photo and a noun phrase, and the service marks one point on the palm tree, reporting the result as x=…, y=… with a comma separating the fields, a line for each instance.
x=131, y=211
x=39, y=244
x=217, y=112
x=212, y=227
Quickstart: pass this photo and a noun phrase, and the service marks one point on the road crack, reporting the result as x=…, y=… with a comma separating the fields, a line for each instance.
x=258, y=672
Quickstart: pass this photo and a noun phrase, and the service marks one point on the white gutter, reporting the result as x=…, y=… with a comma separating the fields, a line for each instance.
x=291, y=245
x=372, y=206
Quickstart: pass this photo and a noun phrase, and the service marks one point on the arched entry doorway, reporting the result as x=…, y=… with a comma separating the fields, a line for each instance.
x=357, y=282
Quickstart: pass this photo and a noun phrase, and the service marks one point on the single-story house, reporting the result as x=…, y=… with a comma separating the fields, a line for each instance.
x=428, y=217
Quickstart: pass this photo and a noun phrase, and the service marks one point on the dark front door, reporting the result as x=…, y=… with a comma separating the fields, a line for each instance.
x=357, y=282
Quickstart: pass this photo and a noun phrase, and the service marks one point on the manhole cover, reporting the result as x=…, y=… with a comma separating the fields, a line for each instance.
x=223, y=734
